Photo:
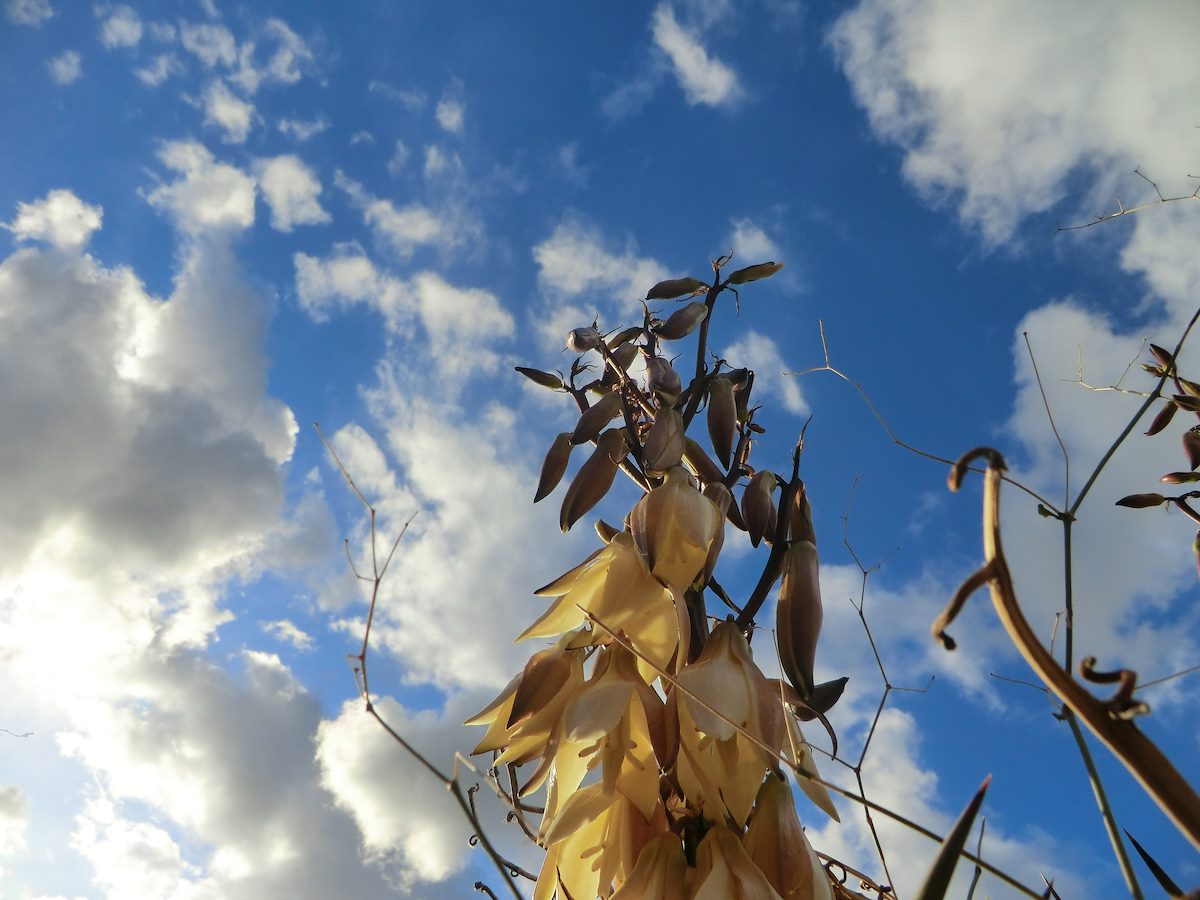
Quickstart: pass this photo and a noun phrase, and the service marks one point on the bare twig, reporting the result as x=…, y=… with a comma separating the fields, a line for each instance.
x=1123, y=210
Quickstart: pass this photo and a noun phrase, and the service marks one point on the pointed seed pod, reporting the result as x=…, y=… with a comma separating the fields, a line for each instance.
x=682, y=322
x=798, y=615
x=624, y=336
x=581, y=340
x=664, y=441
x=1164, y=417
x=755, y=273
x=701, y=463
x=1191, y=446
x=623, y=356
x=674, y=287
x=722, y=418
x=594, y=478
x=1164, y=357
x=663, y=381
x=595, y=417
x=1142, y=501
x=758, y=506
x=1191, y=404
x=545, y=379
x=554, y=465
x=1180, y=478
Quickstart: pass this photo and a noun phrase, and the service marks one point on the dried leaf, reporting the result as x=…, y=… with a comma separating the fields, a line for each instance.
x=755, y=273
x=1164, y=880
x=545, y=379
x=554, y=466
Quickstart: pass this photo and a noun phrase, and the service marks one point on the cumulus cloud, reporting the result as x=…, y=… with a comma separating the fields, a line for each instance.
x=302, y=129
x=450, y=113
x=1003, y=153
x=751, y=244
x=14, y=819
x=287, y=632
x=290, y=188
x=704, y=79
x=28, y=12
x=120, y=26
x=576, y=262
x=60, y=219
x=159, y=69
x=402, y=229
x=288, y=57
x=759, y=352
x=228, y=112
x=207, y=195
x=399, y=157
x=209, y=43
x=65, y=68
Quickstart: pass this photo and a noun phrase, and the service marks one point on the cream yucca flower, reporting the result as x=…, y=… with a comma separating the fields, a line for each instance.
x=660, y=874
x=673, y=527
x=777, y=845
x=725, y=872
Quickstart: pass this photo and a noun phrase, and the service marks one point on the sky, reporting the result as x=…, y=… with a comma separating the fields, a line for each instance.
x=220, y=223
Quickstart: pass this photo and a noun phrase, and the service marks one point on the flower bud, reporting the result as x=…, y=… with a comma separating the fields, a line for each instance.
x=682, y=322
x=554, y=466
x=662, y=380
x=582, y=340
x=758, y=506
x=798, y=615
x=755, y=273
x=673, y=528
x=594, y=478
x=722, y=418
x=595, y=417
x=664, y=441
x=674, y=287
x=776, y=844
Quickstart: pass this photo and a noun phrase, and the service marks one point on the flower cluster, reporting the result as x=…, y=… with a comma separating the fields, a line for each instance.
x=656, y=738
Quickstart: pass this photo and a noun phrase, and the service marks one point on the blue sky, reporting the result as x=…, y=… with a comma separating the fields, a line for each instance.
x=222, y=222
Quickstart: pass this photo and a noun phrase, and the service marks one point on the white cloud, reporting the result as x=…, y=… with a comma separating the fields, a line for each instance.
x=760, y=353
x=576, y=260
x=286, y=65
x=403, y=229
x=14, y=819
x=439, y=163
x=566, y=158
x=362, y=137
x=751, y=244
x=28, y=12
x=211, y=44
x=287, y=632
x=163, y=32
x=291, y=190
x=1006, y=152
x=399, y=156
x=302, y=129
x=704, y=79
x=158, y=70
x=60, y=218
x=208, y=196
x=411, y=99
x=121, y=26
x=450, y=113
x=229, y=113
x=66, y=67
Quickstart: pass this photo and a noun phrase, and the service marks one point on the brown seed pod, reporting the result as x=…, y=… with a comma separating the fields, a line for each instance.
x=758, y=506
x=554, y=465
x=675, y=287
x=722, y=418
x=755, y=273
x=595, y=417
x=664, y=441
x=545, y=379
x=682, y=322
x=1164, y=417
x=594, y=478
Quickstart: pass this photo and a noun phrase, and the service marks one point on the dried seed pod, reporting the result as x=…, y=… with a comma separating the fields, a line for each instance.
x=675, y=287
x=682, y=322
x=706, y=470
x=1142, y=501
x=798, y=615
x=582, y=340
x=623, y=356
x=595, y=417
x=755, y=273
x=758, y=506
x=594, y=478
x=554, y=465
x=1164, y=417
x=722, y=418
x=624, y=336
x=545, y=379
x=662, y=380
x=664, y=441
x=1191, y=446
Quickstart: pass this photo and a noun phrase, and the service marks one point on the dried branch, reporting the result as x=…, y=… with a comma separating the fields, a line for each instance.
x=1123, y=210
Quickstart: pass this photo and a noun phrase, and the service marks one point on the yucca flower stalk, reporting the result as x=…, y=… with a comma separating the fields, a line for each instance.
x=657, y=737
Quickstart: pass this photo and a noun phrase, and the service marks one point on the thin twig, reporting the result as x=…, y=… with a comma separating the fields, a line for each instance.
x=1123, y=210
